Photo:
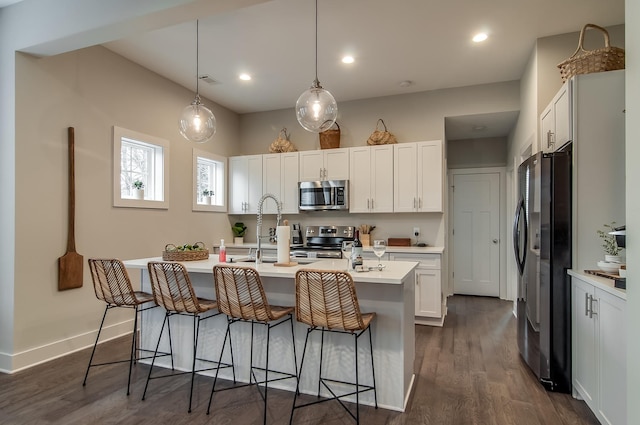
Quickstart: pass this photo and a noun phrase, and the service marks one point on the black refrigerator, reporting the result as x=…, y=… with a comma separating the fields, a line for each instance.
x=542, y=245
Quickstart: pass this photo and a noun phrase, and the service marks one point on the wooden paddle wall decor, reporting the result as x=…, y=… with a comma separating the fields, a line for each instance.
x=70, y=264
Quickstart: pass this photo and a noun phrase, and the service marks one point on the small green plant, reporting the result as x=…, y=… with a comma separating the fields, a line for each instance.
x=239, y=229
x=609, y=241
x=138, y=184
x=207, y=192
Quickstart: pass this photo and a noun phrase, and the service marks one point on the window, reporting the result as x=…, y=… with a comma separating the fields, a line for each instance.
x=209, y=182
x=141, y=158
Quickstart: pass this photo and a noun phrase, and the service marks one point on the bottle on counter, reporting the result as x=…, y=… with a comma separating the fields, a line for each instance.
x=222, y=252
x=356, y=250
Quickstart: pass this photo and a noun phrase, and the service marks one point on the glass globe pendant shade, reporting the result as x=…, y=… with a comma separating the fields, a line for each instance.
x=197, y=123
x=316, y=109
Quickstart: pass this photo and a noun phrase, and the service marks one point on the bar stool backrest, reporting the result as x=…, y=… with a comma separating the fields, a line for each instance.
x=172, y=288
x=240, y=294
x=327, y=299
x=111, y=281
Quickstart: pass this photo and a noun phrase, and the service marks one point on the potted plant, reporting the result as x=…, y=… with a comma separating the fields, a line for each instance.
x=238, y=229
x=207, y=194
x=138, y=189
x=609, y=244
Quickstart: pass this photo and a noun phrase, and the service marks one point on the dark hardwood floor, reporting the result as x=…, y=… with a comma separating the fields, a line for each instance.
x=468, y=372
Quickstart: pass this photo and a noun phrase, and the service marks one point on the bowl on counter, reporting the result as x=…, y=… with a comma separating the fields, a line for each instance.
x=609, y=267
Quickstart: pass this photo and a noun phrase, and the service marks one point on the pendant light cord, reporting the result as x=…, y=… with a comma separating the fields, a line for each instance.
x=197, y=57
x=317, y=82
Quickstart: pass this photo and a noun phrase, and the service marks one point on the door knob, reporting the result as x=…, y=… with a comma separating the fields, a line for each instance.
x=495, y=241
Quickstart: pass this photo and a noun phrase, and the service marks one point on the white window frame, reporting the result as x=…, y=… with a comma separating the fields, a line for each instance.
x=221, y=183
x=160, y=167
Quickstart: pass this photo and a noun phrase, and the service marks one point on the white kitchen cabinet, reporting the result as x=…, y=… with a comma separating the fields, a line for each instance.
x=555, y=120
x=430, y=303
x=280, y=178
x=418, y=177
x=599, y=350
x=325, y=164
x=245, y=184
x=371, y=179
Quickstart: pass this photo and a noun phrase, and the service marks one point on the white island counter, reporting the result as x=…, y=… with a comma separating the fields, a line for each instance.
x=390, y=293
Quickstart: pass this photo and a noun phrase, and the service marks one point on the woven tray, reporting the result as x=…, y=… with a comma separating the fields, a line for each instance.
x=171, y=253
x=603, y=274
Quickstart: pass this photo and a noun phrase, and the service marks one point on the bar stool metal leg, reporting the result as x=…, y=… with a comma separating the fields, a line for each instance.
x=84, y=383
x=373, y=370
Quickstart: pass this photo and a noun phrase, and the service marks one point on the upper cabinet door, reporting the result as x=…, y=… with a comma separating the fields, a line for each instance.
x=311, y=165
x=360, y=180
x=238, y=184
x=336, y=164
x=381, y=179
x=430, y=179
x=405, y=183
x=555, y=120
x=254, y=191
x=563, y=115
x=245, y=184
x=289, y=164
x=271, y=180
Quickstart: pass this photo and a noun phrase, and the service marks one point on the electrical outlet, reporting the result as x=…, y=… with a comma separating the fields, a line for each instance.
x=416, y=231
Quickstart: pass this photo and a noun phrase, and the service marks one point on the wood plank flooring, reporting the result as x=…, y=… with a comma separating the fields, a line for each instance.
x=467, y=372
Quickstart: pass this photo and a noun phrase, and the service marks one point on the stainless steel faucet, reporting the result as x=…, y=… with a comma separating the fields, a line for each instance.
x=259, y=231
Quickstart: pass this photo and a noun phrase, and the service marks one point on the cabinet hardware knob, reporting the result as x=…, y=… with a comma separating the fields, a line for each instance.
x=495, y=241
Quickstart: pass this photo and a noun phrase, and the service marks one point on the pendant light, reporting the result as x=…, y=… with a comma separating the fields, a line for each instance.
x=197, y=123
x=316, y=108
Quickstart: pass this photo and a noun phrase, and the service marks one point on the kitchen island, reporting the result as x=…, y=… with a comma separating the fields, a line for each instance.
x=390, y=293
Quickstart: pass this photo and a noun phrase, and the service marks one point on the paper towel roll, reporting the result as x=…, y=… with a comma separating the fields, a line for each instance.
x=283, y=234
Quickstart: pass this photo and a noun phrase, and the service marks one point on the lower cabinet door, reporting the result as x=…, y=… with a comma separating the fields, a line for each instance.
x=428, y=293
x=585, y=378
x=612, y=358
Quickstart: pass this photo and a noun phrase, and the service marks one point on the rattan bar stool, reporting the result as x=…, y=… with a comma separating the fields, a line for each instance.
x=172, y=289
x=327, y=301
x=241, y=297
x=112, y=285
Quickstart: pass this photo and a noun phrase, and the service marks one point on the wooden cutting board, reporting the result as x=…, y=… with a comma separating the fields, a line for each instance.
x=399, y=242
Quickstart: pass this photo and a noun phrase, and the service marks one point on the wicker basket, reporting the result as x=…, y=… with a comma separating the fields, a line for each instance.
x=282, y=143
x=381, y=137
x=171, y=253
x=330, y=139
x=599, y=60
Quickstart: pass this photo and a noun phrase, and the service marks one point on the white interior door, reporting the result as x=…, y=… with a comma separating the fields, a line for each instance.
x=476, y=234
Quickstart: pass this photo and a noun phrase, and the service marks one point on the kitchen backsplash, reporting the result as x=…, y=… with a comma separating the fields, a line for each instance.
x=390, y=225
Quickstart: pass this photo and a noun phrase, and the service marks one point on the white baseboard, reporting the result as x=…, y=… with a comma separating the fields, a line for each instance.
x=11, y=363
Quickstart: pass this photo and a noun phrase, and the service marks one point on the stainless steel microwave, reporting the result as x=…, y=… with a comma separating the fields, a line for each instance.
x=324, y=195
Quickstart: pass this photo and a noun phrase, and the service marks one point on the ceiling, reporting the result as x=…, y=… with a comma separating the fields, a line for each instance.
x=426, y=42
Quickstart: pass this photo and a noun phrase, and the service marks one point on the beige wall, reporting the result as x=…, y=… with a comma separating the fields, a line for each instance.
x=92, y=90
x=411, y=117
x=475, y=153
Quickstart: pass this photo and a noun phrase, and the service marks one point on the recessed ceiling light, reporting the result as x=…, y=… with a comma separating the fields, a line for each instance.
x=244, y=77
x=405, y=83
x=348, y=59
x=479, y=127
x=481, y=36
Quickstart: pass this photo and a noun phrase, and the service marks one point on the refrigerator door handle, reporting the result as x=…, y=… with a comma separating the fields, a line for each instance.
x=516, y=236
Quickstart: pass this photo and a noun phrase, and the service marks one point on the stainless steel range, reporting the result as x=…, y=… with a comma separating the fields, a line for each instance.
x=323, y=242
